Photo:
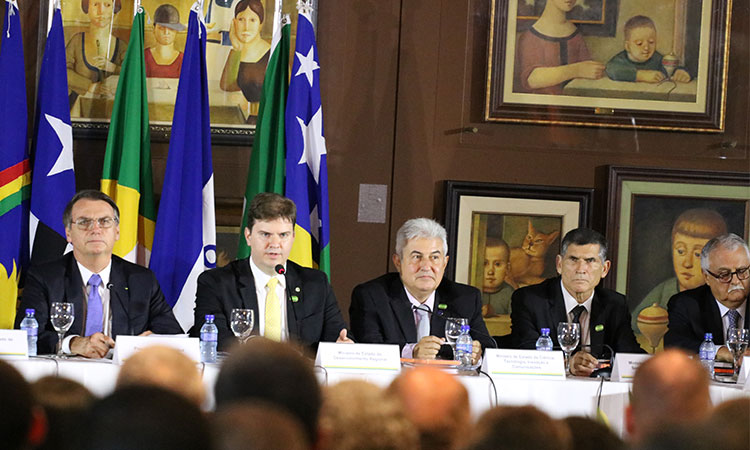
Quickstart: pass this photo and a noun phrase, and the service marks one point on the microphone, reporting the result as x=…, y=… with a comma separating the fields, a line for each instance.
x=427, y=309
x=280, y=269
x=110, y=286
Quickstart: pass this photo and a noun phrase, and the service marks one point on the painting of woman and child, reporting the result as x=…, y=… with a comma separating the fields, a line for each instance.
x=238, y=45
x=637, y=54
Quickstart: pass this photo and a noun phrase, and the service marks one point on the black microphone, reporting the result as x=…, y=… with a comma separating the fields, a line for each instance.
x=280, y=269
x=425, y=308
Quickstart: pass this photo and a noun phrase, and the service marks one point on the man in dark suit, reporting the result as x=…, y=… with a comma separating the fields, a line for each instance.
x=575, y=296
x=718, y=305
x=290, y=302
x=408, y=308
x=110, y=296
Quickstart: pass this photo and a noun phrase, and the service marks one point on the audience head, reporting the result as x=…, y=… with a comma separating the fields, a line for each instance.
x=257, y=426
x=421, y=256
x=725, y=261
x=732, y=418
x=519, y=428
x=437, y=403
x=66, y=403
x=690, y=232
x=275, y=373
x=582, y=262
x=146, y=418
x=588, y=434
x=22, y=423
x=358, y=415
x=669, y=388
x=166, y=367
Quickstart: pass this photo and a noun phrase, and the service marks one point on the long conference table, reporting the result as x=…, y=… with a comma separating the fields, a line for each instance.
x=558, y=398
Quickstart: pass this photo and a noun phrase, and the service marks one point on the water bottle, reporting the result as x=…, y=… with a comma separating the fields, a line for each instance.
x=707, y=353
x=544, y=342
x=209, y=340
x=464, y=347
x=31, y=327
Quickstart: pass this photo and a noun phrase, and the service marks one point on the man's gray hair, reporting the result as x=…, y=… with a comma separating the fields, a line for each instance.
x=420, y=228
x=729, y=242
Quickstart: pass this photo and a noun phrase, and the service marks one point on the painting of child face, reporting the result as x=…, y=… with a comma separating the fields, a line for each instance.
x=686, y=260
x=495, y=266
x=641, y=44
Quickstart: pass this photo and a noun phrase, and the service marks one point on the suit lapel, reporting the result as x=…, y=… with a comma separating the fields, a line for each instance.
x=557, y=306
x=75, y=293
x=293, y=288
x=401, y=307
x=596, y=318
x=246, y=288
x=119, y=299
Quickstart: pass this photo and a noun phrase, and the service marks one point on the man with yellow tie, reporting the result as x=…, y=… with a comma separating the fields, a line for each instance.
x=290, y=302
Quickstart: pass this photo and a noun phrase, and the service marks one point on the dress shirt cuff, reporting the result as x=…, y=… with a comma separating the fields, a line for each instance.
x=66, y=344
x=408, y=351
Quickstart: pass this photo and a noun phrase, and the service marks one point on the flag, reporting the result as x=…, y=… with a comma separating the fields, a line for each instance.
x=306, y=172
x=53, y=180
x=15, y=172
x=185, y=239
x=126, y=176
x=266, y=171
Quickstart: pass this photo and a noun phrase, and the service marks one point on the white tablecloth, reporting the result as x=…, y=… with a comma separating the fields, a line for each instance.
x=574, y=396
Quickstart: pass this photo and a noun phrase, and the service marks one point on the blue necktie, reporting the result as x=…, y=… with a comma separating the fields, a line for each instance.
x=94, y=308
x=734, y=318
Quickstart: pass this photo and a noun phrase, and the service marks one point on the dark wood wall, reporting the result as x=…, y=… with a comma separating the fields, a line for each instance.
x=400, y=80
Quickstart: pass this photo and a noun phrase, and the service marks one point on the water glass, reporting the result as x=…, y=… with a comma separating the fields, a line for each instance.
x=241, y=323
x=453, y=329
x=568, y=335
x=737, y=342
x=61, y=316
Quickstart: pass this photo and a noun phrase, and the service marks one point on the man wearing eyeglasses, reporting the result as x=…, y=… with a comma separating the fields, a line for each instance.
x=110, y=296
x=718, y=305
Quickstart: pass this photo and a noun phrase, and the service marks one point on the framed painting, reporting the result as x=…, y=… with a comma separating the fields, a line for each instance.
x=609, y=63
x=97, y=33
x=658, y=221
x=505, y=236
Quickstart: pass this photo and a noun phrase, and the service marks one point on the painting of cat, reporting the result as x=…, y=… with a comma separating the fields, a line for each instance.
x=527, y=262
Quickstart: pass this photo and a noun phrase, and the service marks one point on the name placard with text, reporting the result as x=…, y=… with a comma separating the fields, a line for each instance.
x=506, y=363
x=13, y=344
x=359, y=357
x=625, y=365
x=126, y=346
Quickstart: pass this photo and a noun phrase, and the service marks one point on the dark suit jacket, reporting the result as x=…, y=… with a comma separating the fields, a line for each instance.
x=692, y=314
x=381, y=313
x=543, y=306
x=136, y=301
x=313, y=318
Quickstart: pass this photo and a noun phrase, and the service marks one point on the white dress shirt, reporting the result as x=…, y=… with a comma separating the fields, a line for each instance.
x=261, y=290
x=583, y=319
x=408, y=350
x=104, y=294
x=723, y=310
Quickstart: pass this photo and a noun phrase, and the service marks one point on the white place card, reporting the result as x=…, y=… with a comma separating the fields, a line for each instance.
x=380, y=358
x=625, y=365
x=13, y=344
x=506, y=363
x=125, y=346
x=744, y=374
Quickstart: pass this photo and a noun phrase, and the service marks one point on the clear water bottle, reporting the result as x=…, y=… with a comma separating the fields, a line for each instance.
x=544, y=342
x=464, y=347
x=209, y=340
x=31, y=327
x=707, y=353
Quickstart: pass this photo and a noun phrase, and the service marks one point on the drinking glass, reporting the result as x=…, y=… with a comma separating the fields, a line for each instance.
x=241, y=323
x=737, y=341
x=61, y=316
x=568, y=335
x=453, y=329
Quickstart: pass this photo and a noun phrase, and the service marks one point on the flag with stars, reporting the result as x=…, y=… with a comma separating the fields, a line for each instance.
x=15, y=172
x=306, y=172
x=53, y=180
x=185, y=237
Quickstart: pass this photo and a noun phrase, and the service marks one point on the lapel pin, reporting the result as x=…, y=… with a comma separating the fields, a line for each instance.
x=296, y=289
x=295, y=299
x=442, y=306
x=599, y=327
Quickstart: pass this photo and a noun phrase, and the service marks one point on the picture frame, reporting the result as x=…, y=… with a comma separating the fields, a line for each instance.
x=694, y=36
x=478, y=216
x=233, y=113
x=659, y=219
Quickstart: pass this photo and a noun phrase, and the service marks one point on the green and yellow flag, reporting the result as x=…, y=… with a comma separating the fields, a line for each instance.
x=126, y=176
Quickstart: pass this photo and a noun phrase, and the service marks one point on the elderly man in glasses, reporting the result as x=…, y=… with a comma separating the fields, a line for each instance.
x=110, y=296
x=718, y=305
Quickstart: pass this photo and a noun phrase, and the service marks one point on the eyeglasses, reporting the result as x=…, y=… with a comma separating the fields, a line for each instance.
x=85, y=224
x=726, y=277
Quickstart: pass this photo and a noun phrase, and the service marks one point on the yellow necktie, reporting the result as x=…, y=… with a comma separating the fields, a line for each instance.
x=273, y=312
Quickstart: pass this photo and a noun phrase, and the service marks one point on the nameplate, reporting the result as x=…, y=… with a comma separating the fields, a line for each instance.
x=744, y=374
x=13, y=344
x=626, y=364
x=126, y=346
x=358, y=357
x=505, y=363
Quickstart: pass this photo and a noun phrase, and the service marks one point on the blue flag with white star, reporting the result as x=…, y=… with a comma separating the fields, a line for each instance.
x=185, y=235
x=53, y=180
x=306, y=171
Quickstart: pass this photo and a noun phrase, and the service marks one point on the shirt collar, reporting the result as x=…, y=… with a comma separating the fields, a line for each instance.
x=262, y=278
x=104, y=274
x=571, y=302
x=430, y=302
x=723, y=310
